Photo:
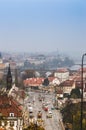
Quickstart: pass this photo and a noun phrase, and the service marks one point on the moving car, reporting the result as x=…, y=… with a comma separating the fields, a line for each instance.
x=45, y=108
x=30, y=109
x=39, y=114
x=31, y=115
x=52, y=108
x=49, y=114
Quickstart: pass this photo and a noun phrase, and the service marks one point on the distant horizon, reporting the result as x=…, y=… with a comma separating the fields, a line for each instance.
x=46, y=53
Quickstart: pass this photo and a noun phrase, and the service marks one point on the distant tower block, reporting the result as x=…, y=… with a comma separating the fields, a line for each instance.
x=1, y=61
x=0, y=56
x=9, y=79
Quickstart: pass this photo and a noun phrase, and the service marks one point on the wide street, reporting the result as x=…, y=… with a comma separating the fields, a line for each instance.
x=52, y=123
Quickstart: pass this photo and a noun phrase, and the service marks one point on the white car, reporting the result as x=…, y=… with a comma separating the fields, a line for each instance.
x=30, y=109
x=50, y=112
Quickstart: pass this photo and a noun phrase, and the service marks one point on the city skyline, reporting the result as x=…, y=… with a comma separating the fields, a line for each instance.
x=43, y=26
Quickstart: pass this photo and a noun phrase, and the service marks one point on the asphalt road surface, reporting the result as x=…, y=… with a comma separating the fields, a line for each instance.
x=49, y=123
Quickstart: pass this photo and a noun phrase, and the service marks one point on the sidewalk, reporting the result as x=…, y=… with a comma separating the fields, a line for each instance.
x=62, y=125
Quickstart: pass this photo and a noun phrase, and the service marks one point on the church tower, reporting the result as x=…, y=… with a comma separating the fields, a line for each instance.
x=9, y=79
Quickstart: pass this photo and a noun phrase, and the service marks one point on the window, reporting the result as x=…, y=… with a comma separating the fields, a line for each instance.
x=12, y=114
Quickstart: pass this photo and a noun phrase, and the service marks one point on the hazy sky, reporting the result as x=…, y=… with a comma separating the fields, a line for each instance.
x=43, y=26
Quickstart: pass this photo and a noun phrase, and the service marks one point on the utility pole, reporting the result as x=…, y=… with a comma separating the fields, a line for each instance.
x=82, y=88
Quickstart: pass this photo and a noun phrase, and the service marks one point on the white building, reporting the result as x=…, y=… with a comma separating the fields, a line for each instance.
x=62, y=74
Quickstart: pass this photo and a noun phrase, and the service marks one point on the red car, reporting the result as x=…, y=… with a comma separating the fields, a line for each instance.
x=46, y=108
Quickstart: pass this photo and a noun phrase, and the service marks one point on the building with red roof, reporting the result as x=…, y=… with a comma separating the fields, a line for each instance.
x=33, y=82
x=67, y=86
x=10, y=113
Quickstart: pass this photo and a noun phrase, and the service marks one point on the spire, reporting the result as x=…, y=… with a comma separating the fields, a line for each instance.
x=9, y=78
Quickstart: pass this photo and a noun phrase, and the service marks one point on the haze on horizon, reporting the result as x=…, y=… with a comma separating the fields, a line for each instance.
x=43, y=26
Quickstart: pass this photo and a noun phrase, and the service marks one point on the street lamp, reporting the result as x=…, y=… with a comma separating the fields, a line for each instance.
x=82, y=91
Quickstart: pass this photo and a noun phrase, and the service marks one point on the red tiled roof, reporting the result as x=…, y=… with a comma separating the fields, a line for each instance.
x=59, y=91
x=33, y=81
x=9, y=105
x=67, y=83
x=21, y=93
x=78, y=81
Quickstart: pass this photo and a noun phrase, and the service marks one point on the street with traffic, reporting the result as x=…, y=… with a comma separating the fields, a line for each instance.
x=41, y=110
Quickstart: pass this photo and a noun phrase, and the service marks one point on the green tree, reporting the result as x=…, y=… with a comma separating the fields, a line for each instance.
x=75, y=93
x=71, y=114
x=76, y=121
x=46, y=82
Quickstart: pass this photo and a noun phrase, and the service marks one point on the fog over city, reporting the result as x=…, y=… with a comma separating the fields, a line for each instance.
x=43, y=26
